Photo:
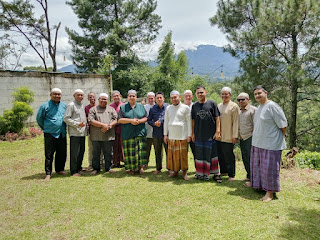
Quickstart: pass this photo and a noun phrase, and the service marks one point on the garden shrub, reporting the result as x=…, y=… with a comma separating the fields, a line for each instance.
x=13, y=120
x=308, y=159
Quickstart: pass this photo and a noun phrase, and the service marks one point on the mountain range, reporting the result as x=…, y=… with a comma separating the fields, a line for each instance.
x=208, y=60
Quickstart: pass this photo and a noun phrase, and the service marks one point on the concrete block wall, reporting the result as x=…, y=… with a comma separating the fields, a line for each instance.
x=42, y=82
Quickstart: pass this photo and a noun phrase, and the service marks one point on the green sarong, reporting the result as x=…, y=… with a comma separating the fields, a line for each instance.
x=134, y=153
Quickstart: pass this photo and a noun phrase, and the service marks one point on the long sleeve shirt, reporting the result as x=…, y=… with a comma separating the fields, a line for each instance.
x=229, y=121
x=156, y=113
x=50, y=118
x=177, y=122
x=73, y=116
x=149, y=128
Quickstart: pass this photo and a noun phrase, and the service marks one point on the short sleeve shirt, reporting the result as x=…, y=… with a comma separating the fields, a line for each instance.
x=268, y=121
x=204, y=116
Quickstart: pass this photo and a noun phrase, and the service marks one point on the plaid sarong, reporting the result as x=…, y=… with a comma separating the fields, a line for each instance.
x=177, y=155
x=118, y=155
x=134, y=153
x=265, y=169
x=206, y=159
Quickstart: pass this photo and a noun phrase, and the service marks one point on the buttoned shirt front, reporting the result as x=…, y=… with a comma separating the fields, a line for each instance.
x=157, y=113
x=246, y=118
x=73, y=116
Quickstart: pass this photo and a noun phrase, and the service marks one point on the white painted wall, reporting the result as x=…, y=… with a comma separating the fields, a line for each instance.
x=42, y=82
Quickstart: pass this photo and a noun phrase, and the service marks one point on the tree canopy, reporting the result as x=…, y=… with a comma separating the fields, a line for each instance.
x=278, y=42
x=111, y=27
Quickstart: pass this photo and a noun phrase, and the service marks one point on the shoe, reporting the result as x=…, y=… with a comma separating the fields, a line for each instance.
x=94, y=172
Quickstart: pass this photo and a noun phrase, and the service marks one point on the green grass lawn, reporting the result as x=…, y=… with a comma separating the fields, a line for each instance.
x=118, y=206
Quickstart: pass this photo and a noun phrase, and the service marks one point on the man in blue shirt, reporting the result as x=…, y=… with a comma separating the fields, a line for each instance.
x=50, y=120
x=156, y=119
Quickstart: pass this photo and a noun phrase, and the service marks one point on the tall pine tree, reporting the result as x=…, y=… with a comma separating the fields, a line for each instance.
x=111, y=27
x=278, y=42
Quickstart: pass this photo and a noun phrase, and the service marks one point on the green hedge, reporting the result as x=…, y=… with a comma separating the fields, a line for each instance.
x=306, y=159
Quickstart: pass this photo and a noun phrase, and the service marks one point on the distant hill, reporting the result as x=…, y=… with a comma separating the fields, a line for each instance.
x=211, y=60
x=207, y=60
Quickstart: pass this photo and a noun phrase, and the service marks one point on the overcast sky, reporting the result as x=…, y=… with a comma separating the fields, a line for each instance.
x=188, y=20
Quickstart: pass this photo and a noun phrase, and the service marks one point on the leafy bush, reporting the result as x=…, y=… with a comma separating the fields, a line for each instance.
x=308, y=159
x=13, y=120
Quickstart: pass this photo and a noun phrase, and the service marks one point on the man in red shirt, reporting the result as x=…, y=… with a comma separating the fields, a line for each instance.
x=118, y=155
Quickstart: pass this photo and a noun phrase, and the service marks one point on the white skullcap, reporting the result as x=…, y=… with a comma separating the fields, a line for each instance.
x=187, y=91
x=226, y=89
x=131, y=91
x=174, y=92
x=243, y=94
x=150, y=94
x=103, y=95
x=114, y=92
x=55, y=90
x=78, y=91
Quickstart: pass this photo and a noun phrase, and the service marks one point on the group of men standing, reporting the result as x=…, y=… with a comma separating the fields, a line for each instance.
x=127, y=134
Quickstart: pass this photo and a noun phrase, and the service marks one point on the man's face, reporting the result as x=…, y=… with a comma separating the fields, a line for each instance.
x=116, y=97
x=151, y=99
x=92, y=98
x=201, y=94
x=132, y=98
x=187, y=97
x=160, y=100
x=78, y=96
x=56, y=97
x=103, y=101
x=243, y=101
x=175, y=99
x=225, y=96
x=260, y=95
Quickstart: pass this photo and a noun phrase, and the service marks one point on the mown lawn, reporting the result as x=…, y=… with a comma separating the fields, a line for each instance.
x=117, y=206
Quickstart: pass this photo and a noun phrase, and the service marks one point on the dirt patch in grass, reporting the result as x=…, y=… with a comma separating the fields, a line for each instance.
x=309, y=176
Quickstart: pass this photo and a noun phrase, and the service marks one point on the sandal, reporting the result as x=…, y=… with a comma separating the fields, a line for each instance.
x=217, y=178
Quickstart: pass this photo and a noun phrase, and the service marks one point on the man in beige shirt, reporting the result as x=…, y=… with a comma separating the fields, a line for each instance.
x=246, y=118
x=229, y=118
x=102, y=118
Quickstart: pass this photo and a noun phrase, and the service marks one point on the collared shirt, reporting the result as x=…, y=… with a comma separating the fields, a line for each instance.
x=103, y=115
x=229, y=121
x=73, y=116
x=268, y=121
x=50, y=118
x=246, y=118
x=117, y=108
x=149, y=128
x=156, y=113
x=177, y=122
x=128, y=130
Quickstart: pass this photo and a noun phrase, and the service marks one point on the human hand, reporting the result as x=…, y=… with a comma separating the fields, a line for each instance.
x=157, y=123
x=234, y=140
x=82, y=124
x=165, y=139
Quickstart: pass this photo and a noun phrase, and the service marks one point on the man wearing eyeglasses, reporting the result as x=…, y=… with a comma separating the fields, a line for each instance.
x=246, y=118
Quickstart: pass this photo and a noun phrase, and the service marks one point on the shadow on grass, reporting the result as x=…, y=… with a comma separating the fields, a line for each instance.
x=303, y=224
x=38, y=176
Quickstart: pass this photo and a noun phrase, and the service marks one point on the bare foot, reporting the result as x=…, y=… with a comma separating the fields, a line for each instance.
x=76, y=175
x=111, y=171
x=185, y=177
x=62, y=173
x=268, y=197
x=173, y=174
x=246, y=179
x=141, y=171
x=247, y=184
x=230, y=179
x=156, y=172
x=130, y=172
x=47, y=178
x=94, y=172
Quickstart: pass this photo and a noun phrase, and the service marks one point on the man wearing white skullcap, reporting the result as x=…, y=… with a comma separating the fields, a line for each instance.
x=177, y=131
x=75, y=118
x=229, y=118
x=147, y=107
x=50, y=120
x=246, y=117
x=102, y=118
